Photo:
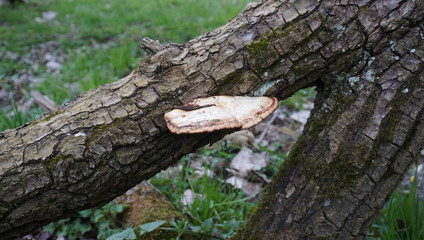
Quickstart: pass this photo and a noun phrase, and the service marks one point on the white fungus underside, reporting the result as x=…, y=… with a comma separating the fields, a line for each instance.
x=228, y=112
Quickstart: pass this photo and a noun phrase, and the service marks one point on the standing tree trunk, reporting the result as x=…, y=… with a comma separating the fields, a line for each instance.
x=365, y=57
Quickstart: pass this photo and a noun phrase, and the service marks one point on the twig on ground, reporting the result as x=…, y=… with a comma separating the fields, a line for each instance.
x=265, y=131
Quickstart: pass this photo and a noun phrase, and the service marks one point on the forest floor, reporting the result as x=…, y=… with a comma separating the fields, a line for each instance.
x=51, y=51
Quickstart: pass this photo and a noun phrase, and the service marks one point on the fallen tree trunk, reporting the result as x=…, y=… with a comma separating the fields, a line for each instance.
x=366, y=57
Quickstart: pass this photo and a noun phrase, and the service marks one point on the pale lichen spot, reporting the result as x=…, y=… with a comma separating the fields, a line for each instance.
x=265, y=87
x=370, y=61
x=290, y=190
x=340, y=29
x=324, y=106
x=289, y=219
x=369, y=76
x=353, y=81
x=366, y=55
x=327, y=202
x=78, y=134
x=392, y=45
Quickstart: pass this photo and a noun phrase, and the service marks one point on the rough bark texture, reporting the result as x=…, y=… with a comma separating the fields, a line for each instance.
x=365, y=56
x=366, y=129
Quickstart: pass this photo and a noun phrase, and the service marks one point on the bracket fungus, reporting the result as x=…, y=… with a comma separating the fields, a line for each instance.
x=219, y=112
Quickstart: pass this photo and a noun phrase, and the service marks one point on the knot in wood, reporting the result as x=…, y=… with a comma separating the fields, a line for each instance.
x=166, y=64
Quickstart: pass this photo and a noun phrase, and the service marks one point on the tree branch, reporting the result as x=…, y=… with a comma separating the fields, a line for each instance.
x=111, y=138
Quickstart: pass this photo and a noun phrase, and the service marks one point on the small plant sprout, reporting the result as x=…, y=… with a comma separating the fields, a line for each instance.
x=219, y=112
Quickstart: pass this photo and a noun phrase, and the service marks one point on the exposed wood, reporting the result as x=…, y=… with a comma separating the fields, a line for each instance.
x=366, y=56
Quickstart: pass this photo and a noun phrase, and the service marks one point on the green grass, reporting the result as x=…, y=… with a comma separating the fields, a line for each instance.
x=296, y=101
x=15, y=118
x=101, y=38
x=79, y=22
x=218, y=209
x=402, y=217
x=95, y=222
x=90, y=68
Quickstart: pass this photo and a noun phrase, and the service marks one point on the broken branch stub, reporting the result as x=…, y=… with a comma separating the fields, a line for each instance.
x=219, y=112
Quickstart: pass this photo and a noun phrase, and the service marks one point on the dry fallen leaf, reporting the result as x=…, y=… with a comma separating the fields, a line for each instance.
x=46, y=16
x=246, y=161
x=52, y=65
x=247, y=187
x=301, y=116
x=189, y=196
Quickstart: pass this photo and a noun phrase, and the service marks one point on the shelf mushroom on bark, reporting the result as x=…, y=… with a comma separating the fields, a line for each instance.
x=219, y=112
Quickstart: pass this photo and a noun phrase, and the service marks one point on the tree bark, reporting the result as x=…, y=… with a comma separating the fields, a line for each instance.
x=366, y=57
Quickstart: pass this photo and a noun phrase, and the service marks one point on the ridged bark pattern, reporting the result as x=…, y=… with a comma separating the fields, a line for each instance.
x=365, y=56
